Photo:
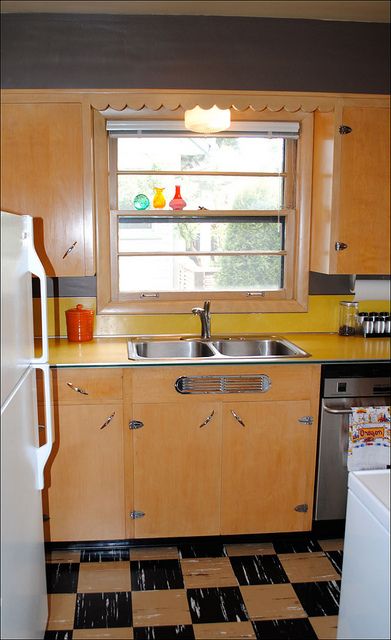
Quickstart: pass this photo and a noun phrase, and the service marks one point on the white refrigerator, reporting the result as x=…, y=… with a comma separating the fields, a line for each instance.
x=23, y=583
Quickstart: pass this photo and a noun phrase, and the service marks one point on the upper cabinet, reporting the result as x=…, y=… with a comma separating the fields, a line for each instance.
x=46, y=173
x=351, y=191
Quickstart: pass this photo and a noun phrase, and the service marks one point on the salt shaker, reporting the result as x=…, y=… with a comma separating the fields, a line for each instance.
x=368, y=325
x=379, y=324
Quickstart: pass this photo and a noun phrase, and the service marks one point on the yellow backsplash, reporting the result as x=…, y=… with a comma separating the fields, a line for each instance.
x=322, y=315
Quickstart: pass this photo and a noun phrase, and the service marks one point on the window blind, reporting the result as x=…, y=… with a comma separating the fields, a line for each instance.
x=156, y=128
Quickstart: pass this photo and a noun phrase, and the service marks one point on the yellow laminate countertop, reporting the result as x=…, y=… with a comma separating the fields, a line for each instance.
x=322, y=347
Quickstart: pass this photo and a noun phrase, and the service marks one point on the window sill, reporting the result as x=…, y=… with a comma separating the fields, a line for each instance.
x=157, y=307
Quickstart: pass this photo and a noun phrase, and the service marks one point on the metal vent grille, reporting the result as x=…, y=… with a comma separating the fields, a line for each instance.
x=223, y=384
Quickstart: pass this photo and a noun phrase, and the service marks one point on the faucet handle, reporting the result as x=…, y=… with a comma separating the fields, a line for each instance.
x=207, y=307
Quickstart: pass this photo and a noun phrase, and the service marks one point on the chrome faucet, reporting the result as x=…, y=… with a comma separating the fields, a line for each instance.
x=205, y=318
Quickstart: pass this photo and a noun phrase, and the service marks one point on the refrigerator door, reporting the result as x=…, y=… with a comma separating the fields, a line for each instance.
x=18, y=261
x=17, y=348
x=23, y=581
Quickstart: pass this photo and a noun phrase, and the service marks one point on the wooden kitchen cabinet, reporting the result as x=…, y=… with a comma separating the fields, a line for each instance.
x=351, y=191
x=267, y=467
x=249, y=469
x=177, y=469
x=45, y=173
x=84, y=481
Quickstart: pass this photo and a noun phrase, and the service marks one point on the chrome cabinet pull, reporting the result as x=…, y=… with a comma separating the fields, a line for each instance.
x=109, y=419
x=208, y=419
x=237, y=418
x=71, y=248
x=72, y=386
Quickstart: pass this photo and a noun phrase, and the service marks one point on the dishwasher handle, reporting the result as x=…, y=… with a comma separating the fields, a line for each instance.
x=337, y=411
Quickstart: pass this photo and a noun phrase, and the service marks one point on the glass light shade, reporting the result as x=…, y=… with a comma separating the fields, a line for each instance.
x=207, y=120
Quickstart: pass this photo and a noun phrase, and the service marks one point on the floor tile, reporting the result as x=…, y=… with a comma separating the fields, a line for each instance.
x=126, y=633
x=156, y=575
x=336, y=559
x=61, y=577
x=325, y=627
x=258, y=569
x=154, y=553
x=285, y=587
x=97, y=610
x=272, y=602
x=299, y=629
x=319, y=598
x=224, y=631
x=96, y=577
x=208, y=572
x=335, y=544
x=201, y=550
x=180, y=632
x=104, y=555
x=160, y=608
x=297, y=544
x=61, y=611
x=308, y=567
x=58, y=635
x=250, y=549
x=216, y=605
x=63, y=555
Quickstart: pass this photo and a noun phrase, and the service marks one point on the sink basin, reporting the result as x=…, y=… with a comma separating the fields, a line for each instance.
x=170, y=349
x=263, y=348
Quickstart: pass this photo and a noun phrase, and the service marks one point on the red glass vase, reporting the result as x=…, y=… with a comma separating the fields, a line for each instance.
x=177, y=203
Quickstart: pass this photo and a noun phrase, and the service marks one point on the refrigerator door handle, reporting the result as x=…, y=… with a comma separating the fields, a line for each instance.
x=43, y=452
x=36, y=267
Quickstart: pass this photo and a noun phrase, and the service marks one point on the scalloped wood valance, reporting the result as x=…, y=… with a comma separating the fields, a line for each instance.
x=239, y=102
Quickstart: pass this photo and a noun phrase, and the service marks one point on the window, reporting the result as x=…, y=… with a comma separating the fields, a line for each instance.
x=236, y=240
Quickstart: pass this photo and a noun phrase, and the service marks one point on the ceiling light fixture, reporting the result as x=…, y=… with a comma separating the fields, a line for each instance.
x=207, y=120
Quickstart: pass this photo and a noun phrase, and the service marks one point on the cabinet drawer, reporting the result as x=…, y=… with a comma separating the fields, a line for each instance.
x=288, y=382
x=86, y=386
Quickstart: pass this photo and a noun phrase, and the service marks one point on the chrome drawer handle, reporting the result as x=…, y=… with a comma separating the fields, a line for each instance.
x=109, y=419
x=68, y=251
x=237, y=418
x=208, y=419
x=72, y=386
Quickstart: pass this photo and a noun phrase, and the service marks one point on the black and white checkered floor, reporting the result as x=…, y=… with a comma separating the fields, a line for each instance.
x=281, y=588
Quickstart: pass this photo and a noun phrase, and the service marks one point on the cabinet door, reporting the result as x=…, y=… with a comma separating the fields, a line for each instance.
x=351, y=192
x=268, y=467
x=364, y=211
x=42, y=175
x=84, y=475
x=177, y=469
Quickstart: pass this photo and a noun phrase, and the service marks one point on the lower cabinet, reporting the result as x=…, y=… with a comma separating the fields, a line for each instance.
x=134, y=458
x=84, y=479
x=177, y=469
x=267, y=467
x=235, y=463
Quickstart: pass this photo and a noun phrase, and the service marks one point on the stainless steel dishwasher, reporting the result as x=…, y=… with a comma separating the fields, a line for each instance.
x=343, y=387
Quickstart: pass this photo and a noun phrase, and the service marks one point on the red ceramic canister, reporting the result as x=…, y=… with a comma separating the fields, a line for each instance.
x=80, y=324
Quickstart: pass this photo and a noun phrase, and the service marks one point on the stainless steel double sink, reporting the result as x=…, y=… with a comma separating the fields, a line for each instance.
x=182, y=348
